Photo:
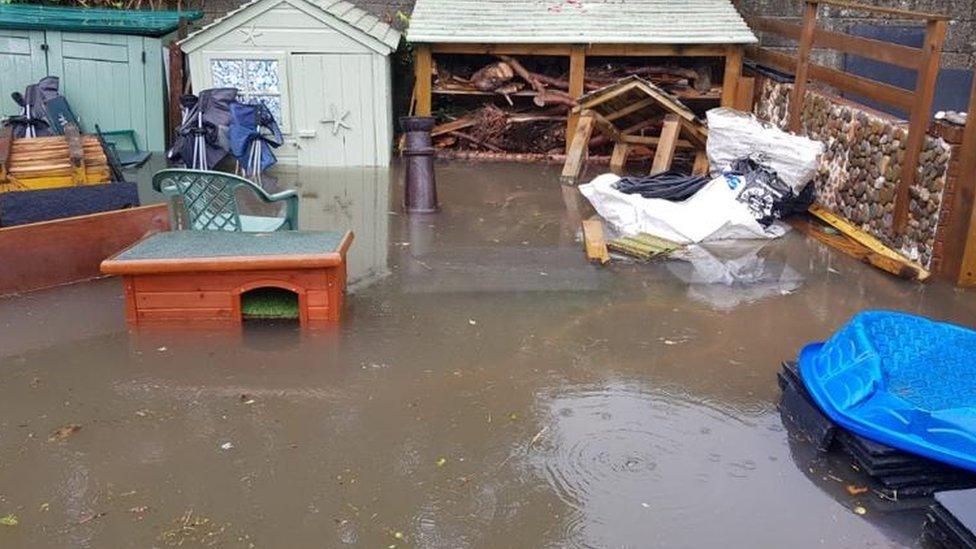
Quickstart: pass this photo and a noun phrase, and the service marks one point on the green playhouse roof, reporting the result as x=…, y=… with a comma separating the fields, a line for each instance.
x=138, y=22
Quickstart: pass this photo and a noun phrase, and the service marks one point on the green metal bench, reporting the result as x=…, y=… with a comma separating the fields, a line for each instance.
x=210, y=201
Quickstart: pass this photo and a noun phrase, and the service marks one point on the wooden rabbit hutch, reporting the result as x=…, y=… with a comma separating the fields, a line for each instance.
x=545, y=55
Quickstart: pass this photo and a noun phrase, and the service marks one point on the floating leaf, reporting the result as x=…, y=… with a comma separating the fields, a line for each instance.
x=9, y=520
x=62, y=433
x=441, y=461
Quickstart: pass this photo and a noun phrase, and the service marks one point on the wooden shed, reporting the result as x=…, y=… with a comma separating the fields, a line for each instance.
x=578, y=30
x=110, y=63
x=322, y=68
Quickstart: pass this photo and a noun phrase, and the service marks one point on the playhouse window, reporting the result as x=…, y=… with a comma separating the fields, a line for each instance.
x=258, y=81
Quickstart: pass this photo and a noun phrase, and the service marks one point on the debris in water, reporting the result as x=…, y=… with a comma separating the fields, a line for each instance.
x=161, y=349
x=247, y=399
x=472, y=321
x=227, y=446
x=441, y=461
x=860, y=510
x=645, y=505
x=854, y=490
x=398, y=535
x=9, y=520
x=64, y=432
x=91, y=517
x=45, y=506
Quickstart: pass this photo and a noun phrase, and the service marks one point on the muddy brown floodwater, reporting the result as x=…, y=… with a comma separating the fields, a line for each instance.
x=488, y=388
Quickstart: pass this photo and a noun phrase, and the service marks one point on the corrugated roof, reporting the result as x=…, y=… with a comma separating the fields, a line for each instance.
x=109, y=21
x=340, y=9
x=579, y=22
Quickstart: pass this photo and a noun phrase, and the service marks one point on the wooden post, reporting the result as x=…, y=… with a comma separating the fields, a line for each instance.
x=733, y=71
x=618, y=159
x=576, y=156
x=928, y=73
x=960, y=251
x=802, y=66
x=423, y=66
x=176, y=77
x=700, y=166
x=577, y=81
x=664, y=154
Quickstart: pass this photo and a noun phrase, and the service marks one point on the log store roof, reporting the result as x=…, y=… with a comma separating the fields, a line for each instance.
x=578, y=22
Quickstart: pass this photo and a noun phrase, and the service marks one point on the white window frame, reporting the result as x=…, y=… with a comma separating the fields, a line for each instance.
x=280, y=57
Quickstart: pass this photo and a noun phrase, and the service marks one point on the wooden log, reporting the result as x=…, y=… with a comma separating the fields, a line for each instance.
x=594, y=242
x=578, y=151
x=664, y=154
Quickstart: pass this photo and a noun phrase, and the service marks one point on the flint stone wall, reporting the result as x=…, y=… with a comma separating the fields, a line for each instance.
x=860, y=169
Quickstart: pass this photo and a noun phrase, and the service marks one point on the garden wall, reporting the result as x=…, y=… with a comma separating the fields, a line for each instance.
x=860, y=170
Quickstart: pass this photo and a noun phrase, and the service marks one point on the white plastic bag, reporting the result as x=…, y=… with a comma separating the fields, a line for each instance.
x=735, y=134
x=713, y=213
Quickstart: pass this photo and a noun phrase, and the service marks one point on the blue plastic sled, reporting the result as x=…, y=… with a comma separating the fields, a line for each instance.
x=901, y=380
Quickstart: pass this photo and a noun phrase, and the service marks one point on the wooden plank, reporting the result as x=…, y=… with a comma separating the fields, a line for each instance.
x=886, y=52
x=902, y=13
x=630, y=109
x=603, y=124
x=870, y=89
x=183, y=300
x=593, y=240
x=918, y=126
x=656, y=50
x=798, y=97
x=606, y=94
x=855, y=249
x=78, y=243
x=6, y=143
x=618, y=159
x=499, y=49
x=701, y=166
x=424, y=76
x=577, y=154
x=959, y=251
x=876, y=246
x=664, y=154
x=577, y=83
x=745, y=94
x=733, y=70
x=76, y=154
x=652, y=141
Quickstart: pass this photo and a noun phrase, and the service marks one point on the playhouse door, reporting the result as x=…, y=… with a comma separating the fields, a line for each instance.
x=334, y=119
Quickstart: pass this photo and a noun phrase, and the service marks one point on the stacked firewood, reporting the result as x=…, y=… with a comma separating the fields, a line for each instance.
x=539, y=126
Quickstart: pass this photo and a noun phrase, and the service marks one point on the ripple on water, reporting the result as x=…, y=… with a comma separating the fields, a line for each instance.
x=633, y=463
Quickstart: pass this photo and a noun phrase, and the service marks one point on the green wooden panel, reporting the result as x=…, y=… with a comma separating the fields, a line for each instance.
x=22, y=62
x=114, y=81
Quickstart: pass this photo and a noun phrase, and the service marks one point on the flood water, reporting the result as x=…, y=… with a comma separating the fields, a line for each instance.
x=487, y=388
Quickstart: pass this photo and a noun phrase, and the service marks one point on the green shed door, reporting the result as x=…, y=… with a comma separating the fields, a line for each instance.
x=22, y=62
x=114, y=81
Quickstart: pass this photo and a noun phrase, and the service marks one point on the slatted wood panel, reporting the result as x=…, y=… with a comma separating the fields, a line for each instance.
x=22, y=61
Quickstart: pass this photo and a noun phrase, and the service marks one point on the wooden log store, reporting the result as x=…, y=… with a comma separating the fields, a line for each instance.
x=582, y=33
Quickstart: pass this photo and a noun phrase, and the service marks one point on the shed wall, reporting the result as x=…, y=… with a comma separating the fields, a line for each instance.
x=361, y=89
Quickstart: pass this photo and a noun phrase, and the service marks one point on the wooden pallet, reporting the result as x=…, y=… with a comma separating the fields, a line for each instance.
x=50, y=162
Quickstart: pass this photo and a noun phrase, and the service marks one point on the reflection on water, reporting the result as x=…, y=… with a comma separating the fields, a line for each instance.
x=727, y=274
x=347, y=199
x=494, y=389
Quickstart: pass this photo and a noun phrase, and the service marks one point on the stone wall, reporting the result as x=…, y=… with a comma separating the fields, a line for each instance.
x=861, y=167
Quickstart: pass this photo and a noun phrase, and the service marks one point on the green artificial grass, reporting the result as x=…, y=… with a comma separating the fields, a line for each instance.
x=269, y=303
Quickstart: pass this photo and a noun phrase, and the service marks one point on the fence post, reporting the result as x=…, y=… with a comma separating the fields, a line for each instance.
x=802, y=66
x=577, y=84
x=928, y=73
x=964, y=206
